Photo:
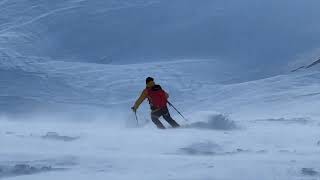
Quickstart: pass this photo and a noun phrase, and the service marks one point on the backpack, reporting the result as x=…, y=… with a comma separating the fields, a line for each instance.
x=157, y=97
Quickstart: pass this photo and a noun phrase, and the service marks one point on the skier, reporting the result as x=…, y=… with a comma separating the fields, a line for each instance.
x=158, y=100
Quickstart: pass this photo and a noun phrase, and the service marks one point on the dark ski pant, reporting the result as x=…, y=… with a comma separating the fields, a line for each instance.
x=164, y=112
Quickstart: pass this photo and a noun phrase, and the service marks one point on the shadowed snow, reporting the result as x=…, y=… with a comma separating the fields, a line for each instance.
x=288, y=120
x=56, y=136
x=215, y=122
x=202, y=148
x=23, y=169
x=309, y=172
x=10, y=169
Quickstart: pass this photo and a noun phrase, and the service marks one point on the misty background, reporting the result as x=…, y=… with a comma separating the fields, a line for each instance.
x=259, y=33
x=70, y=71
x=232, y=41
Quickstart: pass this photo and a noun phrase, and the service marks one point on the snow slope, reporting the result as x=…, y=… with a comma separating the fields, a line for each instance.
x=46, y=82
x=264, y=34
x=203, y=83
x=70, y=71
x=78, y=125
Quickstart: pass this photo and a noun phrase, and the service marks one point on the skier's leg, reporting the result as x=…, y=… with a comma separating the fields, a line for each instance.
x=168, y=118
x=155, y=119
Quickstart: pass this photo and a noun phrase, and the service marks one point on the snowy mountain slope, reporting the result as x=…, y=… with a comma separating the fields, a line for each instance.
x=209, y=84
x=49, y=82
x=271, y=133
x=46, y=82
x=267, y=97
x=71, y=69
x=265, y=34
x=306, y=65
x=275, y=137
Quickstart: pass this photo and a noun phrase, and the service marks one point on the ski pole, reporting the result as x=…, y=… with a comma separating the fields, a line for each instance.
x=135, y=113
x=177, y=111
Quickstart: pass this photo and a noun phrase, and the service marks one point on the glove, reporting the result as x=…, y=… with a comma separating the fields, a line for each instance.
x=134, y=109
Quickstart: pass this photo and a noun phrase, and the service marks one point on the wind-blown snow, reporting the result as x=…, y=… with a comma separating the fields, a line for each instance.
x=269, y=124
x=70, y=71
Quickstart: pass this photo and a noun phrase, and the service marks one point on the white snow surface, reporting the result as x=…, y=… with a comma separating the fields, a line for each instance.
x=63, y=120
x=65, y=113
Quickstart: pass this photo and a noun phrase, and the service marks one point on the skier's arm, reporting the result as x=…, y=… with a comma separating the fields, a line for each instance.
x=142, y=97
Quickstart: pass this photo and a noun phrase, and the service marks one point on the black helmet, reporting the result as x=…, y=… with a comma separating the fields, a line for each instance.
x=149, y=79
